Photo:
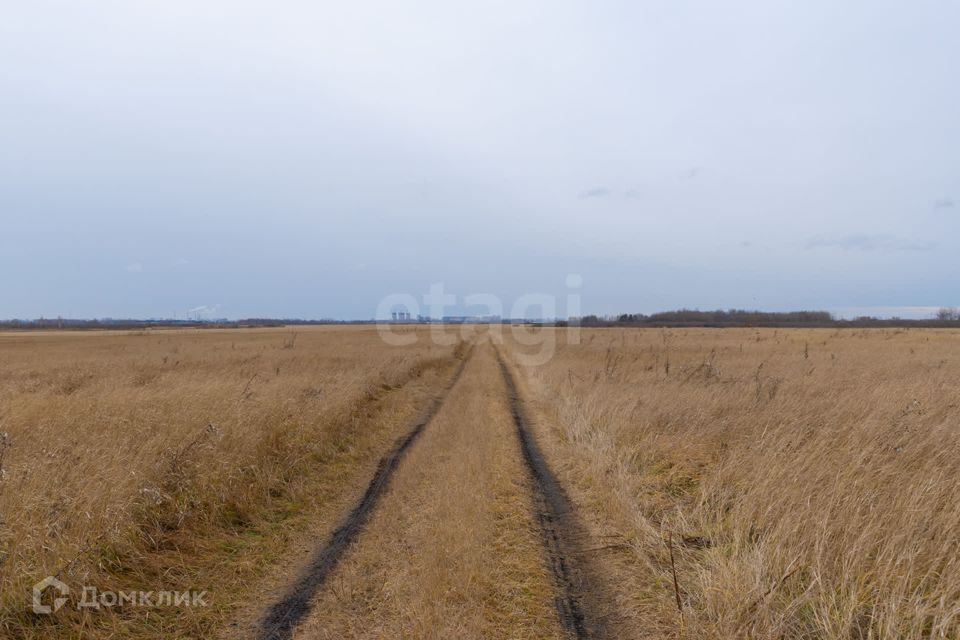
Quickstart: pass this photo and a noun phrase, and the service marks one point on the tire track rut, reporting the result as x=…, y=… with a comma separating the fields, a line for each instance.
x=576, y=582
x=281, y=617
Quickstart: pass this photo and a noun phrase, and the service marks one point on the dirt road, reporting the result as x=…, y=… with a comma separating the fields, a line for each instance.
x=463, y=532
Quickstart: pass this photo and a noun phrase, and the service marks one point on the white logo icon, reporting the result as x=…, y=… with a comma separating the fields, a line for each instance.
x=40, y=587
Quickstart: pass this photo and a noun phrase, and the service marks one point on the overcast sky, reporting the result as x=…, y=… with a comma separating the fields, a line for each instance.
x=306, y=159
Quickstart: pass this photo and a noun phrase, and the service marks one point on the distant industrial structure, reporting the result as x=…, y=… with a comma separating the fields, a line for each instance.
x=400, y=316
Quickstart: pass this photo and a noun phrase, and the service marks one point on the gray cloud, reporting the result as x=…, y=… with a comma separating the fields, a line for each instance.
x=691, y=173
x=868, y=242
x=943, y=203
x=595, y=192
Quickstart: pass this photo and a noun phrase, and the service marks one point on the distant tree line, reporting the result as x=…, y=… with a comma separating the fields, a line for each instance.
x=948, y=314
x=732, y=316
x=946, y=317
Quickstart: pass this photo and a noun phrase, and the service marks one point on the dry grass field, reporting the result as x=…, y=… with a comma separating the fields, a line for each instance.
x=733, y=483
x=807, y=480
x=182, y=459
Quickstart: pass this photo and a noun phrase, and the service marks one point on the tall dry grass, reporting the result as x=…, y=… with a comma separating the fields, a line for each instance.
x=808, y=480
x=160, y=459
